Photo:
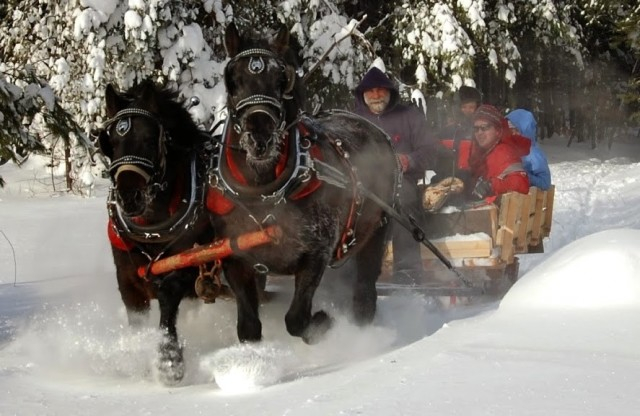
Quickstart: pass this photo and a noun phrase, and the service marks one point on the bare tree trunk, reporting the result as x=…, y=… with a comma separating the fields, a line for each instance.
x=67, y=166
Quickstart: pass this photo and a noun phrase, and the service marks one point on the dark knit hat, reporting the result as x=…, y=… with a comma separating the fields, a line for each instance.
x=489, y=114
x=468, y=94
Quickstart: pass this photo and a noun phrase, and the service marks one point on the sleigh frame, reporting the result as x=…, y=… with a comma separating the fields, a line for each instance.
x=483, y=243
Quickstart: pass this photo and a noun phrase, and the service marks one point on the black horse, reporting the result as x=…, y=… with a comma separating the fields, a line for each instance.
x=157, y=171
x=308, y=175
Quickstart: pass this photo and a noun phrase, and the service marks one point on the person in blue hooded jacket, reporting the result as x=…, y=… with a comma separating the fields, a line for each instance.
x=378, y=100
x=535, y=163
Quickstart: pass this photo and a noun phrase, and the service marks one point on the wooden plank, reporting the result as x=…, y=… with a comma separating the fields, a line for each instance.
x=458, y=248
x=538, y=219
x=470, y=221
x=493, y=218
x=548, y=218
x=533, y=195
x=505, y=200
x=510, y=206
x=510, y=214
x=522, y=224
x=507, y=249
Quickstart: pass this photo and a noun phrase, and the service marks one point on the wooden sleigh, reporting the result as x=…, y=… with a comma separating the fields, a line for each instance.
x=482, y=243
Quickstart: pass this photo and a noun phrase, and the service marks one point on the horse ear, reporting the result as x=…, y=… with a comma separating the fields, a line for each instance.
x=148, y=95
x=231, y=40
x=281, y=41
x=114, y=101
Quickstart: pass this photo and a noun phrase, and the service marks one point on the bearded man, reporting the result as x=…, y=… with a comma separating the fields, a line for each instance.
x=378, y=100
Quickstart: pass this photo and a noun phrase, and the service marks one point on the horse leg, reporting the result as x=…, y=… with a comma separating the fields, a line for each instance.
x=134, y=295
x=369, y=263
x=242, y=280
x=170, y=290
x=298, y=319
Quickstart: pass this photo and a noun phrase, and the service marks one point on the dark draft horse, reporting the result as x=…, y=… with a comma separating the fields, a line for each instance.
x=277, y=165
x=157, y=170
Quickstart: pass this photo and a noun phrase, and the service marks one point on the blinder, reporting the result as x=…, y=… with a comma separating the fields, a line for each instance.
x=101, y=139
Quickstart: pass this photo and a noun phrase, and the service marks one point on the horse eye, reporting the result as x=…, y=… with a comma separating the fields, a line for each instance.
x=123, y=126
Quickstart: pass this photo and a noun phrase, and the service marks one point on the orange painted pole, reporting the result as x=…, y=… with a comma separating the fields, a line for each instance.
x=219, y=249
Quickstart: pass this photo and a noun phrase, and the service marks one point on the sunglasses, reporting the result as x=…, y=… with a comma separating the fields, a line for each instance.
x=482, y=128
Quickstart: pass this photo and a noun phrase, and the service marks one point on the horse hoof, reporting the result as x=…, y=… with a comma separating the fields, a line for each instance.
x=170, y=364
x=318, y=326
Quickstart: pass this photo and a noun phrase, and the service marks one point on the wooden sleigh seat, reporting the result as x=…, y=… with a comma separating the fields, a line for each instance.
x=484, y=241
x=516, y=225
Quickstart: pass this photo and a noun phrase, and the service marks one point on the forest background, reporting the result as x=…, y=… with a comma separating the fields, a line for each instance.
x=575, y=64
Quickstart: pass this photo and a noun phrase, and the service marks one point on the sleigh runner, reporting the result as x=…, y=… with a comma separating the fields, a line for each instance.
x=482, y=242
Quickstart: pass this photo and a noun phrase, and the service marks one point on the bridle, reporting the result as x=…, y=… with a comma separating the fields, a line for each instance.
x=145, y=167
x=298, y=160
x=154, y=173
x=271, y=106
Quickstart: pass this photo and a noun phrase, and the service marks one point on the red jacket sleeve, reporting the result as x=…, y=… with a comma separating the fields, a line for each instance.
x=504, y=170
x=516, y=181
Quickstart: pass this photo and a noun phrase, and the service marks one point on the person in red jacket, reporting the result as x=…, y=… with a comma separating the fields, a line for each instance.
x=495, y=157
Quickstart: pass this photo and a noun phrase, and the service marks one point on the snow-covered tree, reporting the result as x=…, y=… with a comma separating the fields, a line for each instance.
x=29, y=111
x=446, y=38
x=75, y=47
x=630, y=27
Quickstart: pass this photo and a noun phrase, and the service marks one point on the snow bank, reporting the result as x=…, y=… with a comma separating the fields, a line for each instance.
x=597, y=272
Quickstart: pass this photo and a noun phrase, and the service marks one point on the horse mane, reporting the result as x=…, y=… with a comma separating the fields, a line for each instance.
x=171, y=110
x=292, y=56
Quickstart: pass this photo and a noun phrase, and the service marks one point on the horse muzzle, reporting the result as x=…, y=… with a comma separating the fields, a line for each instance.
x=131, y=183
x=258, y=146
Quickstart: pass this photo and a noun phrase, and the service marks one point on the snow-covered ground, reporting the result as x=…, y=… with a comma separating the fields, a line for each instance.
x=565, y=340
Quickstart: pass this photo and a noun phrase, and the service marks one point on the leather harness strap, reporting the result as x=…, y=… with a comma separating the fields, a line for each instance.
x=220, y=202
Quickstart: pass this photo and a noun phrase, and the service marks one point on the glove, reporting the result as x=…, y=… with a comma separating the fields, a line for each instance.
x=482, y=189
x=404, y=162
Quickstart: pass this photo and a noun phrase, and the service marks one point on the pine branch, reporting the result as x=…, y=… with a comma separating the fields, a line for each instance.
x=351, y=32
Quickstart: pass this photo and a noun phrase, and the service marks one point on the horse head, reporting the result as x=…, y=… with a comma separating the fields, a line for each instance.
x=263, y=94
x=142, y=123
